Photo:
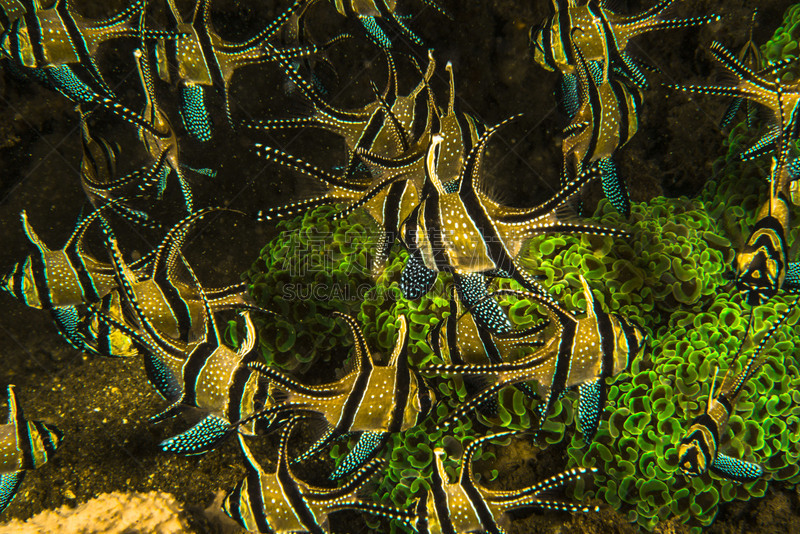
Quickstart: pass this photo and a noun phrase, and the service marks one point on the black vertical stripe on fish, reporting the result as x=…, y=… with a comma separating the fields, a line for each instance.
x=104, y=334
x=192, y=369
x=491, y=349
x=707, y=421
x=236, y=389
x=205, y=44
x=356, y=396
x=434, y=233
x=392, y=205
x=39, y=275
x=489, y=237
x=466, y=133
x=24, y=441
x=256, y=500
x=622, y=106
x=613, y=55
x=419, y=119
x=234, y=502
x=563, y=363
x=479, y=505
x=632, y=344
x=564, y=20
x=15, y=48
x=596, y=106
x=295, y=498
x=34, y=32
x=607, y=340
x=17, y=280
x=175, y=301
x=88, y=289
x=44, y=433
x=725, y=402
x=440, y=502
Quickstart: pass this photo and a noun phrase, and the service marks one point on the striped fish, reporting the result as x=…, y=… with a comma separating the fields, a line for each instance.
x=69, y=276
x=58, y=35
x=160, y=139
x=98, y=170
x=370, y=12
x=750, y=56
x=581, y=353
x=698, y=450
x=200, y=58
x=278, y=502
x=763, y=87
x=607, y=118
x=172, y=301
x=458, y=340
x=602, y=36
x=375, y=400
x=457, y=228
x=465, y=506
x=762, y=267
x=206, y=374
x=24, y=445
x=389, y=136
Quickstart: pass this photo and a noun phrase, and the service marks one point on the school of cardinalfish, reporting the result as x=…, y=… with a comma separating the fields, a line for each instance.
x=415, y=167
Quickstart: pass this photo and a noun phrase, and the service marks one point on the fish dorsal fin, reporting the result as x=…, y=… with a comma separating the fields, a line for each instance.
x=210, y=334
x=363, y=358
x=33, y=237
x=472, y=162
x=127, y=278
x=401, y=344
x=249, y=341
x=753, y=362
x=15, y=415
x=431, y=160
x=391, y=118
x=438, y=459
x=451, y=102
x=174, y=13
x=168, y=251
x=283, y=447
x=469, y=452
x=590, y=300
x=713, y=384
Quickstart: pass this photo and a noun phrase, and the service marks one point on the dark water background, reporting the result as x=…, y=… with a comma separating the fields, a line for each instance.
x=103, y=405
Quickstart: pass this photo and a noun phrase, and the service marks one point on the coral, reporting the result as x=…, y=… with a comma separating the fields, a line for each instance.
x=671, y=278
x=784, y=42
x=110, y=513
x=317, y=265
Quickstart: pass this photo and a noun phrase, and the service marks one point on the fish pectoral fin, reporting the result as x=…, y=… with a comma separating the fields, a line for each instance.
x=590, y=407
x=735, y=469
x=369, y=443
x=9, y=484
x=199, y=439
x=173, y=410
